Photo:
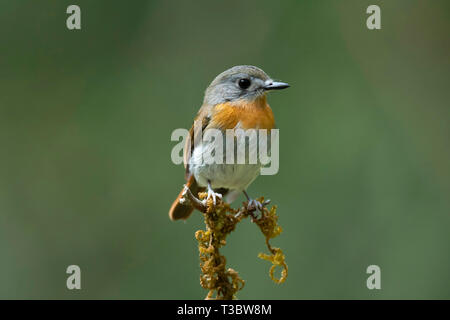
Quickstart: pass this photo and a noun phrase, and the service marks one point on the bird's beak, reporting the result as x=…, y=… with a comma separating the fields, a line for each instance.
x=274, y=85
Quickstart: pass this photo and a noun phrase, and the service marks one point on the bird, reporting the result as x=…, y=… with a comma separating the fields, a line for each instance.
x=236, y=98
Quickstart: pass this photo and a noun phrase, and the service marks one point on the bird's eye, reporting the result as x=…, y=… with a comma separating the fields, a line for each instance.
x=244, y=83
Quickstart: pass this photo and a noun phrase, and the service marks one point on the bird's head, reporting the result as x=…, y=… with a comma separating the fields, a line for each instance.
x=240, y=83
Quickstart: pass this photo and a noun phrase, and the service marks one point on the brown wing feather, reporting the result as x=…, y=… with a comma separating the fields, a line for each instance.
x=189, y=146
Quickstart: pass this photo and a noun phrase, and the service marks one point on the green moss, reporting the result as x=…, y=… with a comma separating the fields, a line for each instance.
x=220, y=221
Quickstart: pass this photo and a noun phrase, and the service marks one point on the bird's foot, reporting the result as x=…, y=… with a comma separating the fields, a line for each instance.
x=213, y=195
x=254, y=205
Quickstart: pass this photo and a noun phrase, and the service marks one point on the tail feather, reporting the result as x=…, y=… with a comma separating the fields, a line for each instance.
x=180, y=210
x=183, y=211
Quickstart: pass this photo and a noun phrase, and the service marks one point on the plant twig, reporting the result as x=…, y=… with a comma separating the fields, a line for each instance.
x=194, y=201
x=220, y=221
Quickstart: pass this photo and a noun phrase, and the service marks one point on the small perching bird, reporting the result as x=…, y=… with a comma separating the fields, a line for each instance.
x=236, y=99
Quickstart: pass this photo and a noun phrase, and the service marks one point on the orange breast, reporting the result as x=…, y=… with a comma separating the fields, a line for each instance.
x=255, y=114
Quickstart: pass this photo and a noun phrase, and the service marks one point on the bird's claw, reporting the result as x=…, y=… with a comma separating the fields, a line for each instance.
x=255, y=205
x=213, y=195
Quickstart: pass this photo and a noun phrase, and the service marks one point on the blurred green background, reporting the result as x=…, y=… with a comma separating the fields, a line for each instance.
x=85, y=123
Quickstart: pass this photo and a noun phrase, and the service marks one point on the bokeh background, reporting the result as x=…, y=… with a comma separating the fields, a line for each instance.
x=85, y=123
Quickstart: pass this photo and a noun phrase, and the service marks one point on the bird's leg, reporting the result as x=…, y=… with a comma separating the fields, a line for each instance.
x=212, y=194
x=253, y=204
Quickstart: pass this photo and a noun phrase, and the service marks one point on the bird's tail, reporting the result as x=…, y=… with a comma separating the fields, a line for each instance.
x=183, y=211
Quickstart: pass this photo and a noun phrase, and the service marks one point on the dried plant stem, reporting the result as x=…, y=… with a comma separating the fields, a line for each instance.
x=220, y=221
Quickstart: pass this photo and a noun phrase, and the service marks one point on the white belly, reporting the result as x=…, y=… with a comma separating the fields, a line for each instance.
x=231, y=176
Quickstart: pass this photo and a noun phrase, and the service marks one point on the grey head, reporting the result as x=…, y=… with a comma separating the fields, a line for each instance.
x=240, y=82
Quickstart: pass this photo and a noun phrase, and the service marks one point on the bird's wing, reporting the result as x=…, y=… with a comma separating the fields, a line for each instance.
x=204, y=117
